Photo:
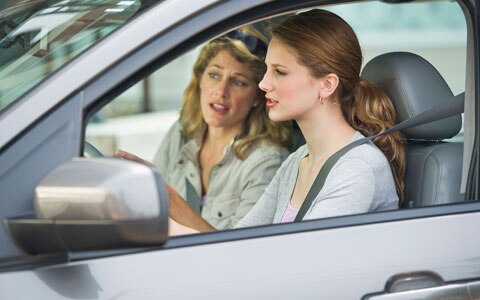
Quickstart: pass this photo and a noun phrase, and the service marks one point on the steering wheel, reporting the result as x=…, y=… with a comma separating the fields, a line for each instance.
x=90, y=151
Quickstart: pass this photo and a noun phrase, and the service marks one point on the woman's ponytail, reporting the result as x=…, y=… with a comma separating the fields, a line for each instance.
x=372, y=112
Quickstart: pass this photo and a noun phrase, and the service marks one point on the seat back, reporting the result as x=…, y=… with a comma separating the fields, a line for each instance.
x=297, y=137
x=433, y=166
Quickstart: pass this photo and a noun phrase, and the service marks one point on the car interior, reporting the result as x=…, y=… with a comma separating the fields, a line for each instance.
x=414, y=85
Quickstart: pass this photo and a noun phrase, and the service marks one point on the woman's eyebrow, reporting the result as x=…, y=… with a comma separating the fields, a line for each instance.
x=278, y=65
x=241, y=75
x=216, y=66
x=236, y=73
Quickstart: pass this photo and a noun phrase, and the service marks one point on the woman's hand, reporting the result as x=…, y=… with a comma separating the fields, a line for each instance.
x=132, y=157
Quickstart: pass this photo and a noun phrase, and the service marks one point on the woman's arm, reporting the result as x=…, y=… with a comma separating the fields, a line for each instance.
x=127, y=155
x=181, y=212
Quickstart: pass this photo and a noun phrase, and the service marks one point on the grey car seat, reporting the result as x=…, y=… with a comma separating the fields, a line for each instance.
x=433, y=166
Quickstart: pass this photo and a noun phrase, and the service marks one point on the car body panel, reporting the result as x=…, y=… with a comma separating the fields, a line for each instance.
x=333, y=263
x=340, y=258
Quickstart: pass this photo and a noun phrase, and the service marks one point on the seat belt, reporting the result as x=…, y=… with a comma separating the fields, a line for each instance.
x=451, y=107
x=192, y=196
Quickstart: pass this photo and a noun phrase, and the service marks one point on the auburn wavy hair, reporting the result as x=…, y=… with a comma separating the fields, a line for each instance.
x=258, y=127
x=326, y=44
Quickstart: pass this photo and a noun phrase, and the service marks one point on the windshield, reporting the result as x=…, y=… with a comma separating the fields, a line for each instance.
x=37, y=37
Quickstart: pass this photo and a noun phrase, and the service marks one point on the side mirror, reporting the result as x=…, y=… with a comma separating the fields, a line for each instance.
x=94, y=204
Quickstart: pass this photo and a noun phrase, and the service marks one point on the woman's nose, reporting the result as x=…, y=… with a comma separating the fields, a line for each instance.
x=265, y=84
x=221, y=90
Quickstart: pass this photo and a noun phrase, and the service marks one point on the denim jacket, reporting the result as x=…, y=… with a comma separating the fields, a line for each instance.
x=235, y=185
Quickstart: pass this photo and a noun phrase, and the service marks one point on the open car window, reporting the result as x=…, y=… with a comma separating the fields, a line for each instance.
x=137, y=119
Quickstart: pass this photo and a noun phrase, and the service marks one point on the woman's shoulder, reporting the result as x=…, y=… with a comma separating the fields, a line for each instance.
x=169, y=145
x=366, y=156
x=176, y=127
x=266, y=150
x=173, y=136
x=292, y=160
x=300, y=152
x=286, y=157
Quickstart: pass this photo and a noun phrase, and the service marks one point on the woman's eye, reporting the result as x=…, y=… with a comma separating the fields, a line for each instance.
x=278, y=72
x=213, y=75
x=239, y=83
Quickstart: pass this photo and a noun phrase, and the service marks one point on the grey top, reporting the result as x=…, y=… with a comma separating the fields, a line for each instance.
x=361, y=181
x=235, y=185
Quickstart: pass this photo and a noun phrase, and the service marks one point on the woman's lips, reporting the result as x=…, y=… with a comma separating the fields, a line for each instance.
x=218, y=108
x=271, y=102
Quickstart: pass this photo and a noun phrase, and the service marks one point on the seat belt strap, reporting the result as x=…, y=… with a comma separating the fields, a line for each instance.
x=451, y=107
x=192, y=196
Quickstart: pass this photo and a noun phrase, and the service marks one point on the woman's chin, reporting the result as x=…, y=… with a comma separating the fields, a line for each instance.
x=215, y=123
x=277, y=117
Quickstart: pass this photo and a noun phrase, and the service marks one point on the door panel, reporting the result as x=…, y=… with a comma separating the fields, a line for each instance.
x=51, y=142
x=342, y=263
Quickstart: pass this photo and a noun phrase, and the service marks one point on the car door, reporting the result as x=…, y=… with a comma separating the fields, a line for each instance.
x=405, y=254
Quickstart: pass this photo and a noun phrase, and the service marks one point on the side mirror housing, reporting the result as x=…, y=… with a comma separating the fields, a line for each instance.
x=95, y=204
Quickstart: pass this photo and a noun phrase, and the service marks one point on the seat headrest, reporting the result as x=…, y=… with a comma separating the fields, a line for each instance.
x=414, y=86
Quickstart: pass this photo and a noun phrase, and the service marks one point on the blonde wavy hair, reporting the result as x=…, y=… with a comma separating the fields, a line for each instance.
x=257, y=127
x=326, y=44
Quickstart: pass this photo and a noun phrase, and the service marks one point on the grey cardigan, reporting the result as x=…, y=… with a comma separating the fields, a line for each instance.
x=235, y=185
x=361, y=181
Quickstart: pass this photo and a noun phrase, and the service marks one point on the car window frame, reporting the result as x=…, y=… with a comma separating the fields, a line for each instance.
x=156, y=54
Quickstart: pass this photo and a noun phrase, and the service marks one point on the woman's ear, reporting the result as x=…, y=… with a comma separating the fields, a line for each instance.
x=329, y=84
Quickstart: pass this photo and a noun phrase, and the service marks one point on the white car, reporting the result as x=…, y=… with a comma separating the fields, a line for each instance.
x=103, y=232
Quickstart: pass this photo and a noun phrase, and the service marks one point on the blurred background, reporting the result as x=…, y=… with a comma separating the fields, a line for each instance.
x=137, y=120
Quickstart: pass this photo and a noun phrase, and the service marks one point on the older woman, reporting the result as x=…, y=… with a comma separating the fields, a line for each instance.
x=224, y=150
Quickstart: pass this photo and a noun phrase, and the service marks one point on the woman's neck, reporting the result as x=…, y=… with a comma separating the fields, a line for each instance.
x=325, y=134
x=217, y=138
x=212, y=151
